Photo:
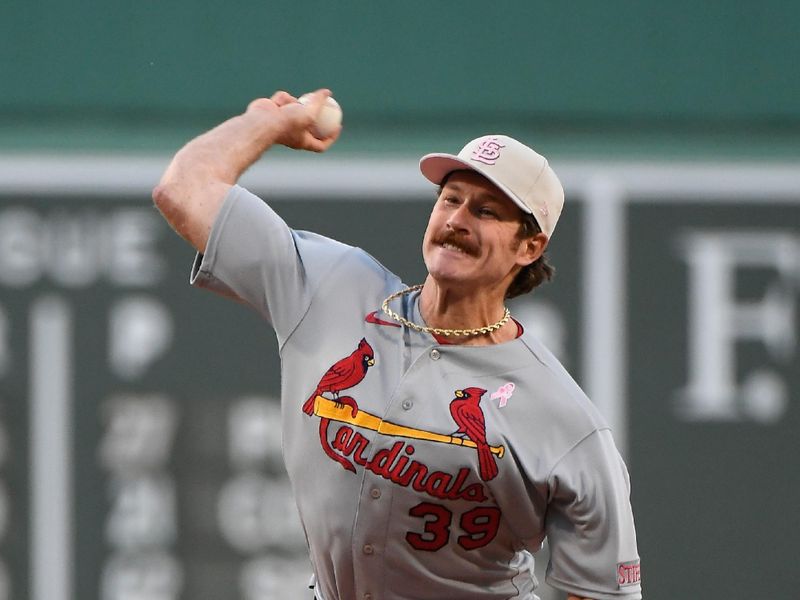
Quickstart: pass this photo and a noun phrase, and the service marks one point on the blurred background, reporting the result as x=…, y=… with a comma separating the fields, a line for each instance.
x=139, y=437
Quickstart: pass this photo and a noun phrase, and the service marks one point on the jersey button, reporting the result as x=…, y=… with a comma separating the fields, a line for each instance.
x=435, y=354
x=407, y=404
x=375, y=493
x=368, y=549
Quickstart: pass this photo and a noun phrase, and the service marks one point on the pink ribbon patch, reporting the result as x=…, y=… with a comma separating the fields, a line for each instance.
x=503, y=393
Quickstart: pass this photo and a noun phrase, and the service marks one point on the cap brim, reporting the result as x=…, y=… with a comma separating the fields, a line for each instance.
x=435, y=167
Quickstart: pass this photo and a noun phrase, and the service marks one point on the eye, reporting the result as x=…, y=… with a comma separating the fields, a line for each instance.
x=485, y=211
x=449, y=199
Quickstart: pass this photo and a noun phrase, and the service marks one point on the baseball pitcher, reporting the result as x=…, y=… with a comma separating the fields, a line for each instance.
x=432, y=442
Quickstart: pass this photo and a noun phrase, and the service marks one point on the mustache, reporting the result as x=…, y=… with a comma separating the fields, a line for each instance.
x=457, y=240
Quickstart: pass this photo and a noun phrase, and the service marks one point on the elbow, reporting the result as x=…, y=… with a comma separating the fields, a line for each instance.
x=170, y=202
x=188, y=211
x=163, y=196
x=167, y=199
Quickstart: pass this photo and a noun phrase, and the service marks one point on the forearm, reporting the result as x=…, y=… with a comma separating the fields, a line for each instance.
x=195, y=184
x=225, y=152
x=197, y=180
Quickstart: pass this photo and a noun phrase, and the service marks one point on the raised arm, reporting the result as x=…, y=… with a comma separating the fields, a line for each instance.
x=197, y=180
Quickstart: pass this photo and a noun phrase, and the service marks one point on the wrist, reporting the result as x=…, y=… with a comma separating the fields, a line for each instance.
x=264, y=124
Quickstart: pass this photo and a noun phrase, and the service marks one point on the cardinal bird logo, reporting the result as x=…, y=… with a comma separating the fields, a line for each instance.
x=466, y=412
x=345, y=374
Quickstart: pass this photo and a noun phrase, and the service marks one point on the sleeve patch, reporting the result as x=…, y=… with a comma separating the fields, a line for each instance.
x=628, y=573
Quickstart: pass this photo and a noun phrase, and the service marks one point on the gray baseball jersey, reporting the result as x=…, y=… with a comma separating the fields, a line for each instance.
x=422, y=470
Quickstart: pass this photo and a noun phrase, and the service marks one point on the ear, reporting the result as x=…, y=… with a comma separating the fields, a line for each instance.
x=530, y=249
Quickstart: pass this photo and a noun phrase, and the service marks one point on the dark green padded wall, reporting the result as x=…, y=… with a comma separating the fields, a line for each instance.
x=623, y=61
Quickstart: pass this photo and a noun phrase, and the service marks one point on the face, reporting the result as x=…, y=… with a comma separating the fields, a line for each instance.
x=471, y=237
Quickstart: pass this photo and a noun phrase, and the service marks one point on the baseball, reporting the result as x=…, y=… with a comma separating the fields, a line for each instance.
x=329, y=118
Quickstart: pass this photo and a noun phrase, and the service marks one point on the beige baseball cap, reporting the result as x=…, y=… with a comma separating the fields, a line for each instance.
x=522, y=173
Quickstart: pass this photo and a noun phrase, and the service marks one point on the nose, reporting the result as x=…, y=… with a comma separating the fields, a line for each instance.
x=458, y=219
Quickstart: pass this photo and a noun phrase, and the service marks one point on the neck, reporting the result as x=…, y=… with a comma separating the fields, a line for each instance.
x=447, y=308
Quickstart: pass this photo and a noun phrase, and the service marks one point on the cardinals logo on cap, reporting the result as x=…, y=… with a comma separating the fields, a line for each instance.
x=488, y=151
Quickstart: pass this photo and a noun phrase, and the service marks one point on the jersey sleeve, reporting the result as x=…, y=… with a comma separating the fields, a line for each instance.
x=590, y=525
x=253, y=256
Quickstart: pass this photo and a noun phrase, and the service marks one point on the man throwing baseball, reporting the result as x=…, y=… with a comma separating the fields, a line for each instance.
x=431, y=441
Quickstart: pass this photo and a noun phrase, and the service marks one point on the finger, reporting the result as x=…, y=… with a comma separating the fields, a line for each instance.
x=314, y=101
x=313, y=144
x=261, y=103
x=317, y=145
x=282, y=98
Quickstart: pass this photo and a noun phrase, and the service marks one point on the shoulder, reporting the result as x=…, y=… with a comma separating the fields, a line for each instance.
x=355, y=269
x=547, y=413
x=556, y=385
x=318, y=254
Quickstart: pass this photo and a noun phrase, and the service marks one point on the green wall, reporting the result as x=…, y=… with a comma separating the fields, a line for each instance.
x=588, y=75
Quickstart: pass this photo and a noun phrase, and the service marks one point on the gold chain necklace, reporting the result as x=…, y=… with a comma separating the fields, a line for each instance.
x=436, y=330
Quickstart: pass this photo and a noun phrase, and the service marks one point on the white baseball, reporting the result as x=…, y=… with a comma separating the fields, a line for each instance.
x=329, y=118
